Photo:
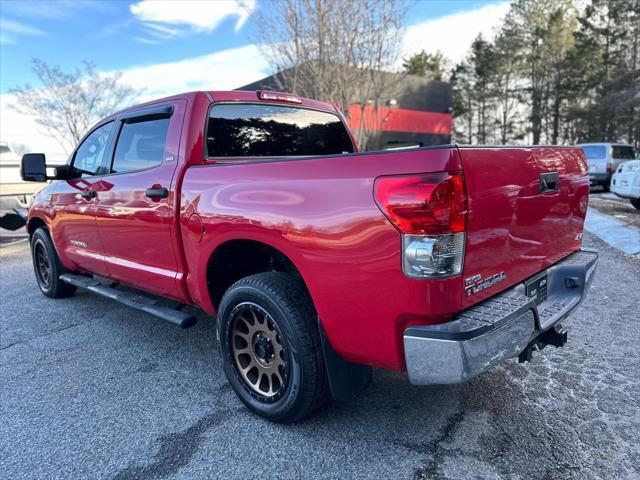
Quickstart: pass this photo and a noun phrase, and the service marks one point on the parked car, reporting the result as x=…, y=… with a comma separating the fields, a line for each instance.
x=626, y=182
x=604, y=158
x=14, y=193
x=318, y=261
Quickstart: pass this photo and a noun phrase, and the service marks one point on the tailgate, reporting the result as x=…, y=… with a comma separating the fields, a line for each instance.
x=520, y=221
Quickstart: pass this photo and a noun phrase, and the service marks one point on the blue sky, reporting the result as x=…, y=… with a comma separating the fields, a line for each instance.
x=118, y=35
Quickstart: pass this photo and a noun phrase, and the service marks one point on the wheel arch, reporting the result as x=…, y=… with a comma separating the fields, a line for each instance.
x=239, y=258
x=34, y=223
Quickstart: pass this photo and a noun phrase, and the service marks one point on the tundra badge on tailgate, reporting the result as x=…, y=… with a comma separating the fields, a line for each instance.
x=476, y=284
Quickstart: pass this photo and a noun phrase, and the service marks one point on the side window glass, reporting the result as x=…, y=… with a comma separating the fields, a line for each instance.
x=140, y=145
x=90, y=154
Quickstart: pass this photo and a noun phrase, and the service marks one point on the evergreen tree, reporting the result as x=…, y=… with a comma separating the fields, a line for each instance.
x=558, y=71
x=610, y=105
x=429, y=65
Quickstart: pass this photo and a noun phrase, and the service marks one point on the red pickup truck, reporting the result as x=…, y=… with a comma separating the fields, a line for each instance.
x=319, y=262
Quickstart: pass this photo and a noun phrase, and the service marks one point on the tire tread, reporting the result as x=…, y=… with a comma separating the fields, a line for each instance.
x=59, y=289
x=290, y=293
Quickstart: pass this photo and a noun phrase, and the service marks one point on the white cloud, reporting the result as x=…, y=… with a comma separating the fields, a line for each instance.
x=453, y=34
x=19, y=28
x=201, y=16
x=147, y=41
x=225, y=70
x=58, y=10
x=157, y=33
x=10, y=29
x=160, y=31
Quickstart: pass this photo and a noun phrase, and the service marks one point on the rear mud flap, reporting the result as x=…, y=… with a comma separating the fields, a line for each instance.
x=346, y=379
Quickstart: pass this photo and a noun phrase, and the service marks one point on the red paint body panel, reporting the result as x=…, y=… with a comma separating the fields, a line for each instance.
x=343, y=246
x=511, y=227
x=320, y=212
x=135, y=230
x=72, y=219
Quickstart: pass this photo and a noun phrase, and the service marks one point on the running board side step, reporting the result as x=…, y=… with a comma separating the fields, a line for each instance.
x=130, y=299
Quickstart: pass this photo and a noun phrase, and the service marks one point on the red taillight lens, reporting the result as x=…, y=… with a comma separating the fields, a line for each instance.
x=609, y=167
x=431, y=203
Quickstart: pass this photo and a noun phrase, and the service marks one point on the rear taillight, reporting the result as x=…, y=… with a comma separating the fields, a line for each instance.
x=609, y=167
x=432, y=203
x=430, y=211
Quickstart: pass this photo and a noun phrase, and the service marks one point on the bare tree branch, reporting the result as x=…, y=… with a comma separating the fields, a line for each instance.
x=70, y=102
x=335, y=50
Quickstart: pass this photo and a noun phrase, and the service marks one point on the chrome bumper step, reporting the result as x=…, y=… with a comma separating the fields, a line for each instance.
x=498, y=328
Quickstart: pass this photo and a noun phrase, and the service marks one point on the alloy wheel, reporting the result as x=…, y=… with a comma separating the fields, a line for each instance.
x=258, y=351
x=43, y=265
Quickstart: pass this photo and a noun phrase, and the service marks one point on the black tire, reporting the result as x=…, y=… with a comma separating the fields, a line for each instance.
x=636, y=203
x=47, y=266
x=289, y=311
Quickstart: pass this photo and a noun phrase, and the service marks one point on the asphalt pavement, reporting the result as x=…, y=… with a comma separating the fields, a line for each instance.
x=90, y=389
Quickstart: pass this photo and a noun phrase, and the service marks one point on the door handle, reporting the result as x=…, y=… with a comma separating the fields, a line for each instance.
x=160, y=192
x=549, y=182
x=88, y=194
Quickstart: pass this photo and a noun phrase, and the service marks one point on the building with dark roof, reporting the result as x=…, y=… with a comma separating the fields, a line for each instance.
x=416, y=113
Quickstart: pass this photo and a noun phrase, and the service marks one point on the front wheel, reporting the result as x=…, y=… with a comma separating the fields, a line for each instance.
x=271, y=348
x=47, y=266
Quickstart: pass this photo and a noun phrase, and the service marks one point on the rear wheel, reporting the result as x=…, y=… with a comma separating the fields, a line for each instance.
x=271, y=347
x=47, y=266
x=636, y=202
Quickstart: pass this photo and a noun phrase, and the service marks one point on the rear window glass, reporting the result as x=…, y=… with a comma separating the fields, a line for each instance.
x=274, y=131
x=595, y=151
x=623, y=152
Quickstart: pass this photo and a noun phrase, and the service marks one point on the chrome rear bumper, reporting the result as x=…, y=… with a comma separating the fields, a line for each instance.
x=498, y=328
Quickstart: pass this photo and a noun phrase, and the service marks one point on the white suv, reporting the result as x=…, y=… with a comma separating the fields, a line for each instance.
x=626, y=182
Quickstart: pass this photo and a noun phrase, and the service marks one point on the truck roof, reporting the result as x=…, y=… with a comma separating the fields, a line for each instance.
x=238, y=96
x=252, y=96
